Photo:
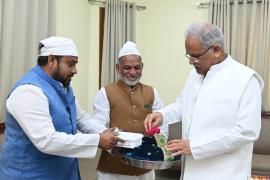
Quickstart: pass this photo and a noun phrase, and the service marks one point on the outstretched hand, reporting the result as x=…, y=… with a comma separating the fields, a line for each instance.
x=153, y=120
x=108, y=139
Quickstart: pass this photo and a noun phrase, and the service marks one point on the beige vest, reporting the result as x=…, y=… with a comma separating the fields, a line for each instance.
x=128, y=108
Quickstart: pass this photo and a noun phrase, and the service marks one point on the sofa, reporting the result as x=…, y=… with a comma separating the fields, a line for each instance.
x=261, y=151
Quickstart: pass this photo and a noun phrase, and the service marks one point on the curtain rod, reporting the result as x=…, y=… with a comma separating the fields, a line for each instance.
x=202, y=5
x=102, y=3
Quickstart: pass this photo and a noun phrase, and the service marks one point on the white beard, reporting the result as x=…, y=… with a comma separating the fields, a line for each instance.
x=128, y=82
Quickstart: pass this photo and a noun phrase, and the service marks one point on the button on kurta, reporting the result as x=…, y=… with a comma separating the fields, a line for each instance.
x=134, y=106
x=135, y=120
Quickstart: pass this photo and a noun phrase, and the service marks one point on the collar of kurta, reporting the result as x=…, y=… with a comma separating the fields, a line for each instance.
x=217, y=67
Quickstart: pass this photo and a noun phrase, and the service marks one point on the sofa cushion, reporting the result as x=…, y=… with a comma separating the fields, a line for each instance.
x=262, y=145
x=175, y=131
x=261, y=164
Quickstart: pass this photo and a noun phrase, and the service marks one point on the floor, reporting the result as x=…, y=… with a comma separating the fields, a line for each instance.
x=88, y=169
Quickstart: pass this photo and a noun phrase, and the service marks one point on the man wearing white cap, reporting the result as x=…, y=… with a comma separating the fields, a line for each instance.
x=124, y=104
x=42, y=118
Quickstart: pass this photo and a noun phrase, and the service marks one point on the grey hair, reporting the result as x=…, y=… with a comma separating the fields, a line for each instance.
x=118, y=60
x=207, y=33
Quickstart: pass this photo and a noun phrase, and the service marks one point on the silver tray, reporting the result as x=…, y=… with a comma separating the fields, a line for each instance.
x=158, y=165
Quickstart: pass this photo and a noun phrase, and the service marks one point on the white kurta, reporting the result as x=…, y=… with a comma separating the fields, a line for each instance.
x=102, y=115
x=221, y=116
x=35, y=120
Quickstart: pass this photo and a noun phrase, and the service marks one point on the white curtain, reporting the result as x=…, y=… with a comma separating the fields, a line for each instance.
x=22, y=24
x=246, y=27
x=119, y=27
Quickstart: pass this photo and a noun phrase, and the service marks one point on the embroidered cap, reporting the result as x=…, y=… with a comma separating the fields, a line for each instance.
x=129, y=48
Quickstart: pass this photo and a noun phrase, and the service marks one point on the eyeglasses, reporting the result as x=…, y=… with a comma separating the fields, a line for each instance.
x=196, y=57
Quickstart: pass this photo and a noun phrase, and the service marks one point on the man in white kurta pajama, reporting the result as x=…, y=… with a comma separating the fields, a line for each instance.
x=220, y=109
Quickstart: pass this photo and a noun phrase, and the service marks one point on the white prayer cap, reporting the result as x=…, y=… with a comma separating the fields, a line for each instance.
x=129, y=48
x=59, y=46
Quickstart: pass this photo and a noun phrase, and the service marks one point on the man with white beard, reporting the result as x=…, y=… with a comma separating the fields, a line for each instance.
x=124, y=104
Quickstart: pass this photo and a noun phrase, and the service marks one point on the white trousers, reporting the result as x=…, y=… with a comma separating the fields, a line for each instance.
x=108, y=176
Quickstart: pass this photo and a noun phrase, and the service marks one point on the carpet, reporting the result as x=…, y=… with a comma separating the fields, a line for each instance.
x=254, y=177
